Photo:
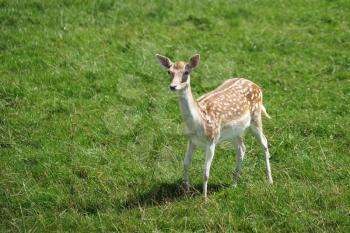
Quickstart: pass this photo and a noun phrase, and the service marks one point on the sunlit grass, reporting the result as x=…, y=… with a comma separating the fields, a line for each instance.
x=90, y=135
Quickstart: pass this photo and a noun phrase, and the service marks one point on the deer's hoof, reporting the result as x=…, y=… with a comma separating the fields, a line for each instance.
x=186, y=187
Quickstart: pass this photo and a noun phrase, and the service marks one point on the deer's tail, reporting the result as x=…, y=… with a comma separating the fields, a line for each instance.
x=263, y=110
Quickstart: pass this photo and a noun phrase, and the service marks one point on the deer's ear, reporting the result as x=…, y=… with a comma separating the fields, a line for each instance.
x=194, y=60
x=164, y=61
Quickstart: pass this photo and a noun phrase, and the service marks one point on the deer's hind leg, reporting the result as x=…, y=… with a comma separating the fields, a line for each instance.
x=257, y=130
x=240, y=151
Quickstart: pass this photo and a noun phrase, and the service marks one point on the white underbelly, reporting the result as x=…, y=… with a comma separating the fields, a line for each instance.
x=228, y=131
x=234, y=128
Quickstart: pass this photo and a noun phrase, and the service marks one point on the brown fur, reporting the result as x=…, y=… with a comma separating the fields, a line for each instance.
x=179, y=65
x=228, y=102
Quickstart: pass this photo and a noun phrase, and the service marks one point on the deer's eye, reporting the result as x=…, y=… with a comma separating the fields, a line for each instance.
x=186, y=72
x=169, y=72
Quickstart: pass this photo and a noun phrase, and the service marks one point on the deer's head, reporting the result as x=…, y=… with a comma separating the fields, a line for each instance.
x=179, y=72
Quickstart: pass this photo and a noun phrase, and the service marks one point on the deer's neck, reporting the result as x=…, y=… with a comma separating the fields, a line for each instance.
x=190, y=111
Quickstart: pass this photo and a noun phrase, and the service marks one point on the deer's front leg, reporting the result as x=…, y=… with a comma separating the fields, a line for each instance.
x=187, y=161
x=209, y=155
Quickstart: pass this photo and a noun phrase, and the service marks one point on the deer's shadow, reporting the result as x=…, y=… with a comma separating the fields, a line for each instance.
x=168, y=192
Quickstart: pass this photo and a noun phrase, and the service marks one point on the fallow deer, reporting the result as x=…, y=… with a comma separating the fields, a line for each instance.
x=222, y=114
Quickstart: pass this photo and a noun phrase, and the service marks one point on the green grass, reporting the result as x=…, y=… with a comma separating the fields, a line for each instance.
x=91, y=138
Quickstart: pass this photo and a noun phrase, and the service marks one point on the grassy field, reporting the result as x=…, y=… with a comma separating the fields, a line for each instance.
x=91, y=137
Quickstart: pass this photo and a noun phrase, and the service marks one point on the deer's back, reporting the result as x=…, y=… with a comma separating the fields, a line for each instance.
x=230, y=101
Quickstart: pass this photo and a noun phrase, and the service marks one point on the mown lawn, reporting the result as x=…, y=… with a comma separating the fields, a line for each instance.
x=91, y=137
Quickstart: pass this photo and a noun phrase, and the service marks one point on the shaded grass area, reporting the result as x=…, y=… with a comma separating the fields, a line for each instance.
x=91, y=138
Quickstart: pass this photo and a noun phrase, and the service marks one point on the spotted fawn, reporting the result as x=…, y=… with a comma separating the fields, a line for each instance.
x=222, y=114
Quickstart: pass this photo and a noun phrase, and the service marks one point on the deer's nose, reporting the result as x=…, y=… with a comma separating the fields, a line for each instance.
x=172, y=87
